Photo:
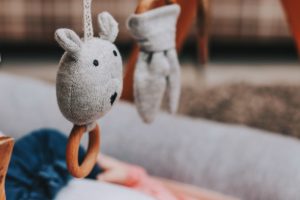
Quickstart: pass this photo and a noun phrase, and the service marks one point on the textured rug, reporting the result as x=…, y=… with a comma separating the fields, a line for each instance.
x=273, y=108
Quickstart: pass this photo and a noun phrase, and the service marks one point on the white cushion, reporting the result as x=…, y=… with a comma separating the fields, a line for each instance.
x=95, y=190
x=239, y=161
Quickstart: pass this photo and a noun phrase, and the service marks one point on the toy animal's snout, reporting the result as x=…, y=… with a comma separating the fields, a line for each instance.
x=113, y=98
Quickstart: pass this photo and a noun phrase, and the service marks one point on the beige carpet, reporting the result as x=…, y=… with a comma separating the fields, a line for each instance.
x=273, y=108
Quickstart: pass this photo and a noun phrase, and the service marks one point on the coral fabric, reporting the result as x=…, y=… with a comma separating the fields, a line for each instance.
x=138, y=179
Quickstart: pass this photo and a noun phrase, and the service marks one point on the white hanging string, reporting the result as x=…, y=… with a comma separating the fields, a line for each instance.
x=87, y=20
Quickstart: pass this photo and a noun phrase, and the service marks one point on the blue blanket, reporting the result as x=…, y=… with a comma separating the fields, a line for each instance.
x=37, y=170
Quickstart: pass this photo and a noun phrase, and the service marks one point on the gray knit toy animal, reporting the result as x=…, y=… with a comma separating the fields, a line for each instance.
x=89, y=80
x=157, y=70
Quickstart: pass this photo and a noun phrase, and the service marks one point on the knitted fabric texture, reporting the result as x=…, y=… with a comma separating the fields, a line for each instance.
x=157, y=71
x=89, y=80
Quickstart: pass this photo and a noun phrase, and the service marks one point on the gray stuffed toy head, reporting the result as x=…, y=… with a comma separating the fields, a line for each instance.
x=89, y=80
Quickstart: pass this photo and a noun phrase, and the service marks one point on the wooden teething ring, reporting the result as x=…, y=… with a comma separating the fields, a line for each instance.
x=146, y=5
x=82, y=170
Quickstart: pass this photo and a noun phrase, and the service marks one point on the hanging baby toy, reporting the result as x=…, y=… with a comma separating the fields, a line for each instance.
x=89, y=82
x=157, y=72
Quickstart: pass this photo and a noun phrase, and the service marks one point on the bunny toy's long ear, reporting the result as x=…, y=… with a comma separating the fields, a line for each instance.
x=109, y=28
x=68, y=40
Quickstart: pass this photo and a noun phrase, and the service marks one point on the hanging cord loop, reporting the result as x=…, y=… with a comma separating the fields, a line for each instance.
x=87, y=20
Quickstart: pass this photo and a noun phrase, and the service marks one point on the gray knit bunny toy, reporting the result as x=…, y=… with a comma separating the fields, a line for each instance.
x=89, y=80
x=157, y=70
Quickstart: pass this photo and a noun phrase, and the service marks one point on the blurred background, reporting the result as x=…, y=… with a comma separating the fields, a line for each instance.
x=247, y=72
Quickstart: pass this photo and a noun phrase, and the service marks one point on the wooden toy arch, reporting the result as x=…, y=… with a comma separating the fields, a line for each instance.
x=189, y=12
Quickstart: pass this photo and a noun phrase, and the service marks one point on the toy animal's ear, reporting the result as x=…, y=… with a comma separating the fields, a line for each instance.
x=68, y=40
x=109, y=28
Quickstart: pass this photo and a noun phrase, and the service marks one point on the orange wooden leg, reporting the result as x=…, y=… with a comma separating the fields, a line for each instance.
x=128, y=79
x=203, y=30
x=292, y=10
x=186, y=20
x=6, y=147
x=188, y=14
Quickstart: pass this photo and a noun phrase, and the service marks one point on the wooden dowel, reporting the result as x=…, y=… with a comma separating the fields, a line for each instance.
x=145, y=5
x=292, y=11
x=128, y=79
x=6, y=148
x=185, y=21
x=203, y=30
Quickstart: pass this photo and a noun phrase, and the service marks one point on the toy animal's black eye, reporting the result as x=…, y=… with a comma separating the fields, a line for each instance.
x=115, y=53
x=96, y=63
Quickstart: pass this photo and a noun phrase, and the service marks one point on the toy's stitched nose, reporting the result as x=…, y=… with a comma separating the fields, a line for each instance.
x=113, y=98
